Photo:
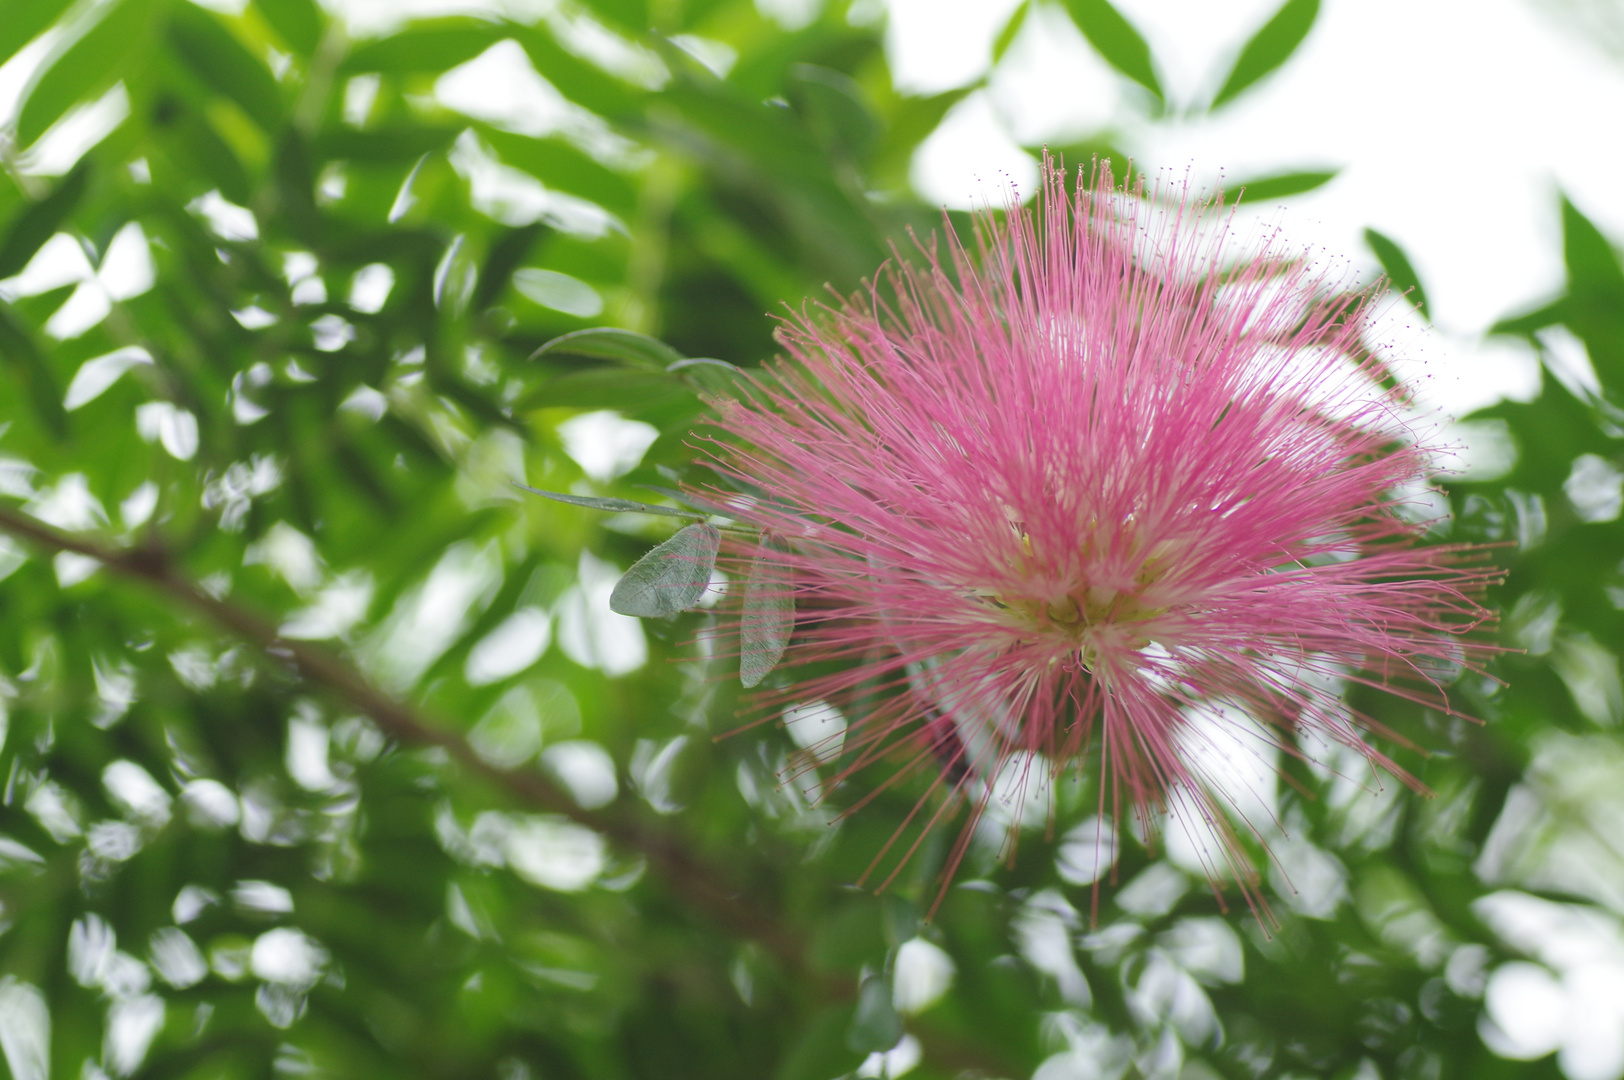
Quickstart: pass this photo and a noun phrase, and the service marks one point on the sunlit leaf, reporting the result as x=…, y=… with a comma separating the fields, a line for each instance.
x=671, y=578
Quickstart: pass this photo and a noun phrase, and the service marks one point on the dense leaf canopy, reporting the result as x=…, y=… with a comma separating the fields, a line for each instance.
x=324, y=754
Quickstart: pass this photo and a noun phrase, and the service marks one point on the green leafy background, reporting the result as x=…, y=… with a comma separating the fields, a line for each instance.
x=322, y=755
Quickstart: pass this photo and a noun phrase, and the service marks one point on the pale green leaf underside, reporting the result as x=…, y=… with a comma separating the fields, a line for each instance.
x=768, y=619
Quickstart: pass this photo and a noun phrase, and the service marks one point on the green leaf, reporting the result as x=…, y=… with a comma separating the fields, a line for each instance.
x=28, y=368
x=1281, y=185
x=1006, y=36
x=833, y=106
x=818, y=1050
x=1115, y=39
x=875, y=1026
x=394, y=144
x=505, y=256
x=631, y=16
x=81, y=67
x=688, y=498
x=200, y=146
x=23, y=21
x=38, y=222
x=709, y=376
x=759, y=148
x=609, y=343
x=671, y=578
x=916, y=118
x=1396, y=265
x=298, y=22
x=562, y=167
x=1527, y=324
x=427, y=45
x=618, y=388
x=609, y=506
x=1595, y=295
x=579, y=81
x=296, y=188
x=218, y=58
x=768, y=618
x=1270, y=47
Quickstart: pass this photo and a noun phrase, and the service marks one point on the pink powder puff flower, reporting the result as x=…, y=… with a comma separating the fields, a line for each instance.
x=1109, y=476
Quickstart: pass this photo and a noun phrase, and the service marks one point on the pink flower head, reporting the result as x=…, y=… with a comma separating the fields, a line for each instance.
x=1107, y=478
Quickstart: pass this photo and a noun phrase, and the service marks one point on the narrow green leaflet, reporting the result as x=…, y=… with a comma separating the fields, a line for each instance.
x=875, y=1025
x=23, y=21
x=428, y=45
x=83, y=66
x=710, y=376
x=609, y=506
x=299, y=22
x=1283, y=184
x=390, y=144
x=579, y=80
x=608, y=343
x=834, y=107
x=23, y=362
x=564, y=167
x=671, y=578
x=1396, y=265
x=769, y=615
x=1595, y=294
x=217, y=57
x=1115, y=38
x=1270, y=47
x=1006, y=36
x=911, y=121
x=35, y=224
x=688, y=499
x=506, y=254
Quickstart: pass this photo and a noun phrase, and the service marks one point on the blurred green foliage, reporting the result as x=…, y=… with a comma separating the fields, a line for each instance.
x=321, y=754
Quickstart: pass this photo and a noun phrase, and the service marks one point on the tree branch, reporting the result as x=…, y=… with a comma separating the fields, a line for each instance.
x=703, y=885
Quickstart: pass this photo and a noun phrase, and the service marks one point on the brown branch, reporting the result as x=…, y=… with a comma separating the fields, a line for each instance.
x=703, y=885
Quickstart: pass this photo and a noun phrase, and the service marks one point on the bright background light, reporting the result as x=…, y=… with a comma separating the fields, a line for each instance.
x=1454, y=127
